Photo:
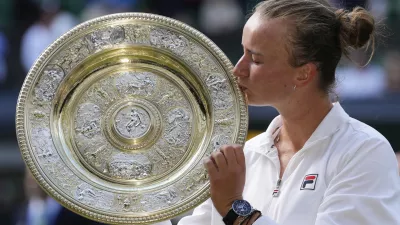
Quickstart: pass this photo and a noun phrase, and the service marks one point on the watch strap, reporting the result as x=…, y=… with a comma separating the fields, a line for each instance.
x=230, y=217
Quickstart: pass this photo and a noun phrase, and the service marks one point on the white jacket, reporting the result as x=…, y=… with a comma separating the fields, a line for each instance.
x=346, y=174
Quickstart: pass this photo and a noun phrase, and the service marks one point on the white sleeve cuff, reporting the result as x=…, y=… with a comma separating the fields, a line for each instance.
x=264, y=220
x=167, y=222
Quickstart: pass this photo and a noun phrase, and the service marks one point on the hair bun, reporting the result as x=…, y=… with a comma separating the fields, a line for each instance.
x=357, y=27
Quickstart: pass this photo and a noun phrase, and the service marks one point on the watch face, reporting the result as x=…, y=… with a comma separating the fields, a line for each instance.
x=241, y=207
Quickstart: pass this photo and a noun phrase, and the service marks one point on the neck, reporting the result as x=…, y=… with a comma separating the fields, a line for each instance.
x=300, y=119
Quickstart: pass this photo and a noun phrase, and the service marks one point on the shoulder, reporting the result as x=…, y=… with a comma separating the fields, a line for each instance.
x=358, y=144
x=361, y=128
x=367, y=137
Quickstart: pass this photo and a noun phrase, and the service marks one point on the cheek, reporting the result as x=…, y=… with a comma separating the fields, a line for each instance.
x=267, y=77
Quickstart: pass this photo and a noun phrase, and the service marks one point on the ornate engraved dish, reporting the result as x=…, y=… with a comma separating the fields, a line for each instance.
x=115, y=117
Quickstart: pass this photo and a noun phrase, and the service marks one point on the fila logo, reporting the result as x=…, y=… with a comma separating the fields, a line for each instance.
x=309, y=182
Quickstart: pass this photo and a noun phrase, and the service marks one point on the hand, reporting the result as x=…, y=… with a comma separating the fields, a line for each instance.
x=227, y=171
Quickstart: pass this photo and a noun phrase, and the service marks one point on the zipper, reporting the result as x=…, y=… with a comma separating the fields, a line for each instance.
x=275, y=194
x=277, y=191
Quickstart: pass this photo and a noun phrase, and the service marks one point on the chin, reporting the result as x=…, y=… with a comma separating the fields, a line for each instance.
x=251, y=101
x=257, y=103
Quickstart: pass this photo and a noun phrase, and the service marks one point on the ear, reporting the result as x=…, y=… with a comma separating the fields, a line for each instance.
x=306, y=74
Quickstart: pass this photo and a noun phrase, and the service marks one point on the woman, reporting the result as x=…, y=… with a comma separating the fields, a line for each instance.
x=314, y=165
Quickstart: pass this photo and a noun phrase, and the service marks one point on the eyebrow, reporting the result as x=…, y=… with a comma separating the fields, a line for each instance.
x=252, y=51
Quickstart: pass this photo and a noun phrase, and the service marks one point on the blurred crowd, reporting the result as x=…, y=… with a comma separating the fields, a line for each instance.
x=27, y=27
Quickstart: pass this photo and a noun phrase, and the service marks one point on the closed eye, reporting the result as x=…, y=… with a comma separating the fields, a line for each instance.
x=256, y=61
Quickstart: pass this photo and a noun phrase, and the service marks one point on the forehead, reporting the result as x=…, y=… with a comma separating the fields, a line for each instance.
x=264, y=34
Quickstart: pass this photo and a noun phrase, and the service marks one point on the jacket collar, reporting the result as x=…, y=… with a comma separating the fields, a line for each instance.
x=329, y=125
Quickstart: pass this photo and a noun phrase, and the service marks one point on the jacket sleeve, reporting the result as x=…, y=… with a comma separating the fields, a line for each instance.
x=364, y=189
x=201, y=215
x=167, y=222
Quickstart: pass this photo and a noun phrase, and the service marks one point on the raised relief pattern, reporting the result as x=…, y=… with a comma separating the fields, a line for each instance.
x=130, y=166
x=219, y=91
x=136, y=83
x=199, y=60
x=96, y=153
x=178, y=128
x=93, y=197
x=109, y=36
x=159, y=200
x=49, y=159
x=132, y=122
x=88, y=120
x=138, y=34
x=192, y=181
x=49, y=82
x=42, y=142
x=72, y=56
x=166, y=39
x=129, y=203
x=219, y=140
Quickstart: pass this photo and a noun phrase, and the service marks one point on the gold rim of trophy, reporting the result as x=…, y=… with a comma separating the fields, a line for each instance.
x=116, y=116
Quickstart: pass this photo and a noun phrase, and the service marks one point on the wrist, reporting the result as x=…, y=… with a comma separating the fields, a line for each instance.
x=240, y=209
x=248, y=220
x=228, y=207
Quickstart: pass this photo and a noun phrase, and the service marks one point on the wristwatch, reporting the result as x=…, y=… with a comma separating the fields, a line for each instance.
x=239, y=208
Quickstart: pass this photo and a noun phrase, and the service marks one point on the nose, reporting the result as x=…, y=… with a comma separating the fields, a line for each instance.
x=240, y=69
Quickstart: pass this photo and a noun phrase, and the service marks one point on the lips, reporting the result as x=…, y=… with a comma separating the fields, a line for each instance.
x=242, y=88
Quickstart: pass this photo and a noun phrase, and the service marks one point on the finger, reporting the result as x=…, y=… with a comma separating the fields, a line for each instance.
x=229, y=153
x=213, y=161
x=239, y=155
x=210, y=166
x=219, y=160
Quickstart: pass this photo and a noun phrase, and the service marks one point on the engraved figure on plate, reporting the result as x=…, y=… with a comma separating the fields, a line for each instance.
x=169, y=96
x=219, y=91
x=75, y=54
x=42, y=142
x=130, y=166
x=178, y=130
x=88, y=120
x=97, y=155
x=102, y=93
x=87, y=194
x=105, y=37
x=84, y=193
x=132, y=122
x=48, y=84
x=136, y=83
x=138, y=34
x=129, y=203
x=169, y=40
x=164, y=198
x=193, y=180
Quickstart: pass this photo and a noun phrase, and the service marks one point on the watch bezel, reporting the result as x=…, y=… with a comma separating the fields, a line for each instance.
x=236, y=202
